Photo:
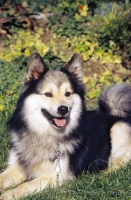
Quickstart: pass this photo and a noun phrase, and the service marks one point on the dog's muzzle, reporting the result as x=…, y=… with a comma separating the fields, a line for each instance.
x=61, y=121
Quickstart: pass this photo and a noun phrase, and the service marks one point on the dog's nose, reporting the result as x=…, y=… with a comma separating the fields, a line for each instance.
x=62, y=110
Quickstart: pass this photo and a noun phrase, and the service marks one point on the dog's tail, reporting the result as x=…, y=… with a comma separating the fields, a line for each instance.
x=116, y=100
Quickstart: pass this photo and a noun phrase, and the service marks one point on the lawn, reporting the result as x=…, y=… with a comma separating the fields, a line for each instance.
x=66, y=27
x=92, y=186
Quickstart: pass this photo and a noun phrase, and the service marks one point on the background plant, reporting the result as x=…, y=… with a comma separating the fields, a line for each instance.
x=115, y=33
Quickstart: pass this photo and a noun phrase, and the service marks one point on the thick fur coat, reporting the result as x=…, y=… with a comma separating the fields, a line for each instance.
x=54, y=138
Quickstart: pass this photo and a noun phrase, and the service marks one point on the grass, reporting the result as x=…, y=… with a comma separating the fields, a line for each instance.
x=116, y=185
x=92, y=186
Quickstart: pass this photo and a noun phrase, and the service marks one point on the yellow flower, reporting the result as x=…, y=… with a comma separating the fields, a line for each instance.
x=2, y=107
x=83, y=9
x=27, y=52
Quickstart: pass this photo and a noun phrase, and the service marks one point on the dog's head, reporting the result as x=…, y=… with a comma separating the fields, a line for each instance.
x=56, y=95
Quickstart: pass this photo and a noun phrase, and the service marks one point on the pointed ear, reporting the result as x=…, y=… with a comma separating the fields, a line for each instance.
x=36, y=67
x=74, y=67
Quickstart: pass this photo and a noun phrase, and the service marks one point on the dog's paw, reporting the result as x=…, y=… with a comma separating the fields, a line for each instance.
x=9, y=195
x=4, y=182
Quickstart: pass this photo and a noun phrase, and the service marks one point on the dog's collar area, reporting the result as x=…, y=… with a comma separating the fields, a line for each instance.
x=57, y=163
x=58, y=122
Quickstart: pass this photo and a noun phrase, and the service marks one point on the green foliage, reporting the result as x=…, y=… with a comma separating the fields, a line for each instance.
x=103, y=39
x=23, y=43
x=95, y=83
x=114, y=33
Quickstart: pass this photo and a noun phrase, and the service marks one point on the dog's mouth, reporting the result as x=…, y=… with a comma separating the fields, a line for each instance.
x=59, y=122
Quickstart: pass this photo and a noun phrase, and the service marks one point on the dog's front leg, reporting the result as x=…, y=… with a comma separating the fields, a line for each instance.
x=12, y=176
x=27, y=188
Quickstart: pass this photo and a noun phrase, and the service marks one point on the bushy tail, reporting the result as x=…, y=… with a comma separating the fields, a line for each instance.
x=116, y=100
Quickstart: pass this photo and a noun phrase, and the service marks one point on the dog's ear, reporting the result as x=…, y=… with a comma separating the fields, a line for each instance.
x=74, y=67
x=36, y=67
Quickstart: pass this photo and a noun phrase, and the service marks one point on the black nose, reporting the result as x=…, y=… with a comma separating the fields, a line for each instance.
x=63, y=110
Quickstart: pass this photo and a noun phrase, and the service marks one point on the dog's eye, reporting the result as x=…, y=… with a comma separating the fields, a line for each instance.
x=67, y=94
x=48, y=94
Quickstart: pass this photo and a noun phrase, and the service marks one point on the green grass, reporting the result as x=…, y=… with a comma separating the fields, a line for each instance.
x=116, y=185
x=92, y=186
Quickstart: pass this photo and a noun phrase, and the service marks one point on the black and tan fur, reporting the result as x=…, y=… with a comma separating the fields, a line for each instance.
x=51, y=117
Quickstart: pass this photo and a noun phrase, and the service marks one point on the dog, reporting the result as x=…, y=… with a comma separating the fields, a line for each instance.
x=54, y=138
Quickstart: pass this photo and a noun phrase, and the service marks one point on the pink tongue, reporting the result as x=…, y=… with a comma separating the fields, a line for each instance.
x=60, y=122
